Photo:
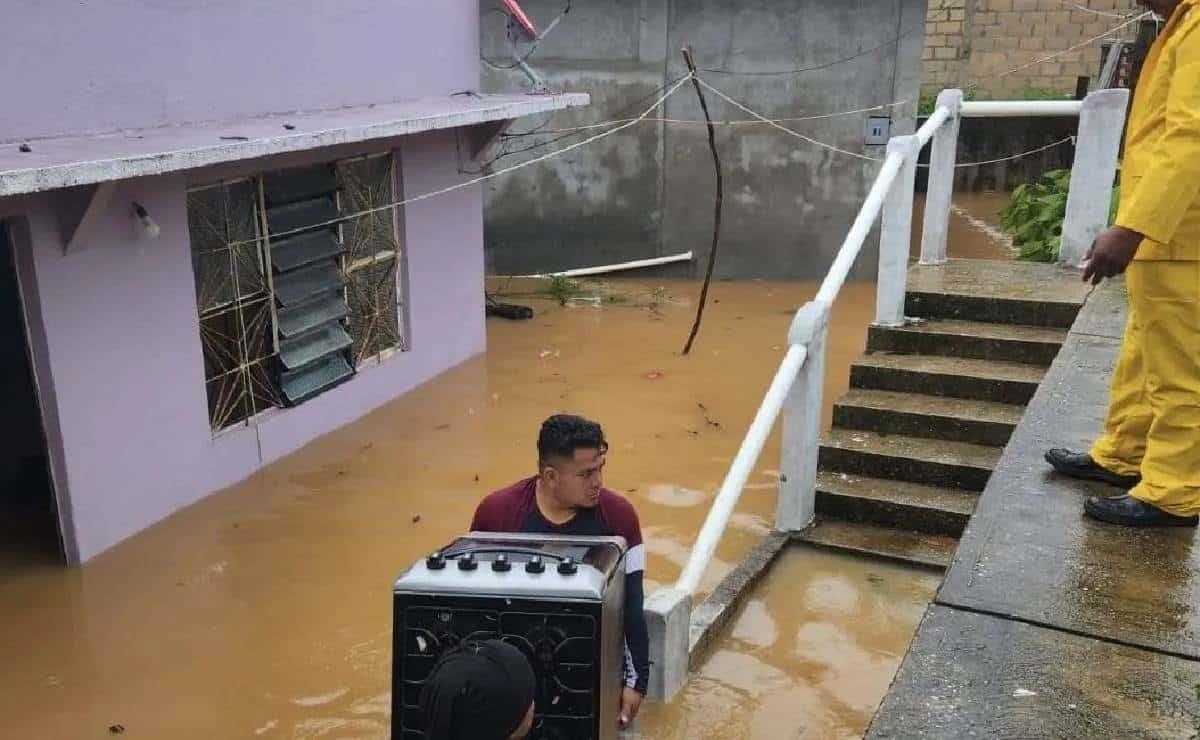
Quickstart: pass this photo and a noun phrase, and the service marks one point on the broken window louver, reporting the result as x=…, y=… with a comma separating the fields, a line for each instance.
x=285, y=317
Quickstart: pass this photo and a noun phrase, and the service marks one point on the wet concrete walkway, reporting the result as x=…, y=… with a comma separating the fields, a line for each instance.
x=1050, y=624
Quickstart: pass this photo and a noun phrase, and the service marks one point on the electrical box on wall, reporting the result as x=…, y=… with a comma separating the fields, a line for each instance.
x=879, y=130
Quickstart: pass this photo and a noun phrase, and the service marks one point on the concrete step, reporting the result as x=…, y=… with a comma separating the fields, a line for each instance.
x=914, y=548
x=953, y=377
x=919, y=415
x=900, y=504
x=996, y=291
x=990, y=309
x=1034, y=345
x=931, y=462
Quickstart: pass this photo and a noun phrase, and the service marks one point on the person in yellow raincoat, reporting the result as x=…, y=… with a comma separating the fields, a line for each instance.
x=1151, y=440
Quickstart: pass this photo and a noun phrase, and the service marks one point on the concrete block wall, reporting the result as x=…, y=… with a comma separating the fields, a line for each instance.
x=648, y=190
x=975, y=41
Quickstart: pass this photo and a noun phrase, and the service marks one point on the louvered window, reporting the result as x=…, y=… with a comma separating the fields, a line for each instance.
x=286, y=317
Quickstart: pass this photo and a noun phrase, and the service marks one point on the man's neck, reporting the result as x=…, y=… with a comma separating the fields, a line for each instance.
x=549, y=508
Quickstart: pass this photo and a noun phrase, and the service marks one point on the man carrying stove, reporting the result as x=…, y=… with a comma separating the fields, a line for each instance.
x=568, y=497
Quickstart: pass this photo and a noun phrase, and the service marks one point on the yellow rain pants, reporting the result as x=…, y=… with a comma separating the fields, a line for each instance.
x=1153, y=424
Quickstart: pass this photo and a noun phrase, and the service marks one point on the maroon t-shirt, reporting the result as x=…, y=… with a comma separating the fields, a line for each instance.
x=514, y=509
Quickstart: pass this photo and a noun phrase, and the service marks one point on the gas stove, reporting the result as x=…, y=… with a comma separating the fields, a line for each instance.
x=559, y=600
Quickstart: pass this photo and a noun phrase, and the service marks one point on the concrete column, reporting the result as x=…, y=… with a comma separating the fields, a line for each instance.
x=668, y=619
x=942, y=157
x=896, y=235
x=1101, y=122
x=802, y=422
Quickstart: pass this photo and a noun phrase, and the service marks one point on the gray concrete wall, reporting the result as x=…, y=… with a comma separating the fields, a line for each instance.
x=648, y=191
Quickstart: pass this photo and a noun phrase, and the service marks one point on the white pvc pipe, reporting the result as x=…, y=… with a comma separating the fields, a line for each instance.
x=862, y=227
x=932, y=124
x=619, y=267
x=739, y=472
x=1019, y=108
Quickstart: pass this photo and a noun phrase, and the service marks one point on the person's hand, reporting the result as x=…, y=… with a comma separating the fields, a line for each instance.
x=631, y=704
x=1111, y=253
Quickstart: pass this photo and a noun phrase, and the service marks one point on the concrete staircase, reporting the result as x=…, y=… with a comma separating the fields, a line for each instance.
x=932, y=404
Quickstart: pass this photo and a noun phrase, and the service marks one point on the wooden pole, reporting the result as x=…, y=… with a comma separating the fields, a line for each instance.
x=712, y=254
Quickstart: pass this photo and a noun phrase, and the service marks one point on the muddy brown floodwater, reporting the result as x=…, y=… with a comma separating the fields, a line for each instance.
x=809, y=656
x=264, y=610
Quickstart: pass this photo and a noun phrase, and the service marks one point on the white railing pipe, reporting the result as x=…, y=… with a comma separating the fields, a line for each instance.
x=1020, y=108
x=739, y=472
x=942, y=157
x=618, y=267
x=895, y=239
x=1097, y=147
x=932, y=124
x=863, y=222
x=802, y=422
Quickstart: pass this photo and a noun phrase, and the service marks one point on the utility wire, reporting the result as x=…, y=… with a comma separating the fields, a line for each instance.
x=815, y=67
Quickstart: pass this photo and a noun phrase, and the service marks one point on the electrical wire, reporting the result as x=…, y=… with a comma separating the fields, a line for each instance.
x=815, y=67
x=473, y=181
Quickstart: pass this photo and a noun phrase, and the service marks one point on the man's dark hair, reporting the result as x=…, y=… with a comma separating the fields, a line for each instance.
x=562, y=434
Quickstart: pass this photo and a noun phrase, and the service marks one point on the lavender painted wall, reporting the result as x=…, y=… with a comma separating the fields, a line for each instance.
x=100, y=65
x=117, y=345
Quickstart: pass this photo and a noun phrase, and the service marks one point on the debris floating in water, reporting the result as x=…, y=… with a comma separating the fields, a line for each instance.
x=655, y=375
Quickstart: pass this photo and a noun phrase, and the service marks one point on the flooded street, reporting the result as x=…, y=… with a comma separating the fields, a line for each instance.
x=809, y=656
x=974, y=226
x=264, y=610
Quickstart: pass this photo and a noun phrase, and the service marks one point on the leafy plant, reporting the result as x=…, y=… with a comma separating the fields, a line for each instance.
x=1034, y=217
x=562, y=288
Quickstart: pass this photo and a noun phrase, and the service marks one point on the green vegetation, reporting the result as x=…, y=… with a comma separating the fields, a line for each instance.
x=1034, y=216
x=562, y=288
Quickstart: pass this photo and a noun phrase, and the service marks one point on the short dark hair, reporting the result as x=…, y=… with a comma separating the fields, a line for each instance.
x=562, y=434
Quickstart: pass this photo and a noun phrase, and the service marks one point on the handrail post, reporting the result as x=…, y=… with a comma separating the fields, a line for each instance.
x=1097, y=146
x=895, y=239
x=942, y=157
x=802, y=422
x=668, y=621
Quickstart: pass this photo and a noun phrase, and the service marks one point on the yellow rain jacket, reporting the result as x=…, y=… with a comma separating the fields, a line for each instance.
x=1153, y=423
x=1160, y=177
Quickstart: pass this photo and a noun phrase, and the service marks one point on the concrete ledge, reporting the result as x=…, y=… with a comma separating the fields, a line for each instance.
x=711, y=617
x=87, y=160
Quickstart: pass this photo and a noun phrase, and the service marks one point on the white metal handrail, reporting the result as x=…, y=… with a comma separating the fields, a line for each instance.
x=796, y=390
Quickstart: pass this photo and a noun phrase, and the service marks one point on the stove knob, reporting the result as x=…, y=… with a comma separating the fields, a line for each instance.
x=568, y=567
x=501, y=564
x=535, y=565
x=467, y=562
x=435, y=561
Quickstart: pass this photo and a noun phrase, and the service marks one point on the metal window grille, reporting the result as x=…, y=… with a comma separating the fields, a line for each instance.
x=282, y=320
x=234, y=302
x=373, y=257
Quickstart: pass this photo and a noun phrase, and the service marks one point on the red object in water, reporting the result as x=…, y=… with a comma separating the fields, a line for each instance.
x=519, y=16
x=654, y=375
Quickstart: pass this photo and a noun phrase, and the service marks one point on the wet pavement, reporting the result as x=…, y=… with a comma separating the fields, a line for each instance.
x=1050, y=624
x=263, y=610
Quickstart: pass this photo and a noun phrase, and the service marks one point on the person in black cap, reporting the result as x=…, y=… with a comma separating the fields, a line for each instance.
x=479, y=691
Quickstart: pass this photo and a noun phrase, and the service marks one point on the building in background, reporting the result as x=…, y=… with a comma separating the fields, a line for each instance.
x=186, y=291
x=974, y=41
x=648, y=190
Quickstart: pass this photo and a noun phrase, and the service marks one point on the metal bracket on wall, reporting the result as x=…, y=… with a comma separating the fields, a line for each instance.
x=78, y=215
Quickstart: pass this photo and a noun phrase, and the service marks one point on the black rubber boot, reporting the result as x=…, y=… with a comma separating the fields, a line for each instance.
x=1081, y=465
x=1130, y=512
